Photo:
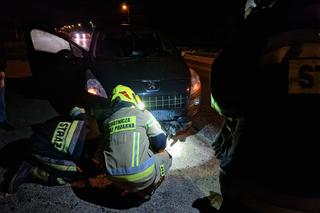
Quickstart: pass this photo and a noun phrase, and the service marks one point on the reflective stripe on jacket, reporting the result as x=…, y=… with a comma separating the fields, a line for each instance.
x=127, y=154
x=66, y=136
x=64, y=141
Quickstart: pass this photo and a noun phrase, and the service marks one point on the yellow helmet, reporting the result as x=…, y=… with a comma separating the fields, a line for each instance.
x=125, y=94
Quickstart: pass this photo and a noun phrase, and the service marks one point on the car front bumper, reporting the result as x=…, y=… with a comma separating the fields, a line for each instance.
x=172, y=121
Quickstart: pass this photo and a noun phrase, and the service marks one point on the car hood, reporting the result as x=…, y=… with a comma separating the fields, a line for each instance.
x=133, y=72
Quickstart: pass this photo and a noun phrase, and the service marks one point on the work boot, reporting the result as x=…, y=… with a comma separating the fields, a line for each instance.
x=26, y=174
x=215, y=199
x=142, y=196
x=204, y=205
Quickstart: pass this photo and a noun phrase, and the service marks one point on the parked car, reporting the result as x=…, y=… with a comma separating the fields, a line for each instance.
x=140, y=58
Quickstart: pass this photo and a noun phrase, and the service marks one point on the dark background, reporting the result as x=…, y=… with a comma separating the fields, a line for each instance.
x=199, y=23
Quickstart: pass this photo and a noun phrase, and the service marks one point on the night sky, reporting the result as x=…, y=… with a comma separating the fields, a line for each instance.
x=194, y=20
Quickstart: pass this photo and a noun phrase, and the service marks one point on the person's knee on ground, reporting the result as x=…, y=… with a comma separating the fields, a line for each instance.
x=162, y=165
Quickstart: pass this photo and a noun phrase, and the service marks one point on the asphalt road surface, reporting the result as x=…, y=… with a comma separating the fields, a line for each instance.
x=193, y=175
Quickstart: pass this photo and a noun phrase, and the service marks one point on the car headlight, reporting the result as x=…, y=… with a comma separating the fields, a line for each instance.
x=195, y=94
x=195, y=82
x=94, y=87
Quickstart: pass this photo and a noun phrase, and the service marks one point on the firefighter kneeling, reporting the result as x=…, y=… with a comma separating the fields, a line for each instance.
x=55, y=149
x=134, y=152
x=133, y=147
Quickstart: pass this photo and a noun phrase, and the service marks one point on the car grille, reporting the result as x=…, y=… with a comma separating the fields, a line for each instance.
x=165, y=102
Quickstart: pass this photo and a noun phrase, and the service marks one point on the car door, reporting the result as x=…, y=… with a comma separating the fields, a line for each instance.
x=58, y=68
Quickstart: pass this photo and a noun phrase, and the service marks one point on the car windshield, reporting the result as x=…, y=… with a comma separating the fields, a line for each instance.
x=128, y=44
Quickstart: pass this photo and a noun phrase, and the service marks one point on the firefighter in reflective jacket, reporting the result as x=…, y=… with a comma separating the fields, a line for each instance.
x=267, y=81
x=55, y=148
x=134, y=154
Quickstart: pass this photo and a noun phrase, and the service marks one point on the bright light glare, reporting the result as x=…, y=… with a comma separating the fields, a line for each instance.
x=196, y=86
x=196, y=101
x=93, y=91
x=174, y=148
x=195, y=81
x=94, y=87
x=188, y=151
x=124, y=7
x=82, y=42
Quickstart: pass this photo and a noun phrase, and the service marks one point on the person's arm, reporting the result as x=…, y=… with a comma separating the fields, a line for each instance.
x=98, y=156
x=78, y=113
x=157, y=137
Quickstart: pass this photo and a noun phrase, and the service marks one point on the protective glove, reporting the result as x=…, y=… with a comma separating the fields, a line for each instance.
x=224, y=140
x=78, y=113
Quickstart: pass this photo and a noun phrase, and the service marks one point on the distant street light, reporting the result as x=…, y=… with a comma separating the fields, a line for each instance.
x=126, y=8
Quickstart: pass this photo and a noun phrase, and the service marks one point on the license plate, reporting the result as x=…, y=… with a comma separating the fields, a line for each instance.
x=304, y=76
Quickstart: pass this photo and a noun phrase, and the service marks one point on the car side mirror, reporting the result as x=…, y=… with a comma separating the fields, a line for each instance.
x=65, y=55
